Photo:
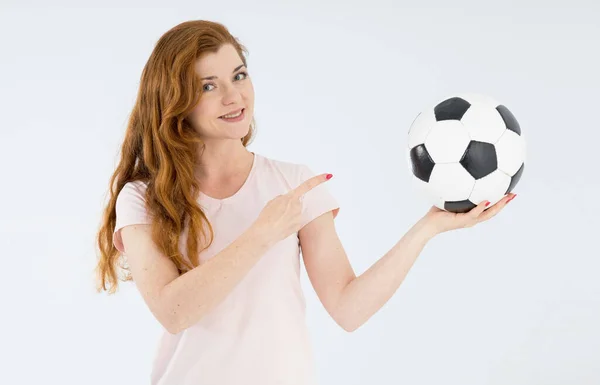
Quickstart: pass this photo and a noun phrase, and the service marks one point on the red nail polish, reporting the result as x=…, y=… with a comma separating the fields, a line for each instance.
x=487, y=203
x=329, y=176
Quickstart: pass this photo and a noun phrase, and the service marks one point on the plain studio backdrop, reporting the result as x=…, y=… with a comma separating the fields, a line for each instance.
x=515, y=300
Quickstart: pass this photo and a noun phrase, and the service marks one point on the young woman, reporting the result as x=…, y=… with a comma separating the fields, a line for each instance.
x=212, y=232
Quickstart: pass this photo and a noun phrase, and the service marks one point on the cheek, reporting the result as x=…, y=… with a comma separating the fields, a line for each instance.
x=249, y=92
x=203, y=110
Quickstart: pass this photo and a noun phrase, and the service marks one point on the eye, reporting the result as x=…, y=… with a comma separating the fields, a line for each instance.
x=235, y=77
x=242, y=73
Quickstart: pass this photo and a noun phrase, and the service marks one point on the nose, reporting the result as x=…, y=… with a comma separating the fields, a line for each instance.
x=231, y=95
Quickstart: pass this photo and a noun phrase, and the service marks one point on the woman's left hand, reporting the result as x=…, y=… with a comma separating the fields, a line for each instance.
x=442, y=221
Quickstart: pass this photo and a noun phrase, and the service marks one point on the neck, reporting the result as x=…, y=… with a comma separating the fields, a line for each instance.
x=222, y=161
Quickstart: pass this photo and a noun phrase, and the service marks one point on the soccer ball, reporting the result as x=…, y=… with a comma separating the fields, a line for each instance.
x=466, y=149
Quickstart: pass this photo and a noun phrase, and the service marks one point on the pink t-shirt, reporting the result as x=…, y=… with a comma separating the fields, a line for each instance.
x=258, y=334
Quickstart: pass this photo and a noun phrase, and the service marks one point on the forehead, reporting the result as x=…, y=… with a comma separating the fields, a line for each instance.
x=221, y=62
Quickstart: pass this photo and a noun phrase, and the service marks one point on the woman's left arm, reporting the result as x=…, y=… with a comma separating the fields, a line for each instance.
x=352, y=300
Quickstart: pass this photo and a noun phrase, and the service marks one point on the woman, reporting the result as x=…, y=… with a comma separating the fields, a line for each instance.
x=212, y=232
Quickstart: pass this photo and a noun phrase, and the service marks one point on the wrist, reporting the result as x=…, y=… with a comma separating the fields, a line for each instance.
x=426, y=228
x=260, y=235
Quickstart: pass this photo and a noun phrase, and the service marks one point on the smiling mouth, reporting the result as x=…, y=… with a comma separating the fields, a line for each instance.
x=234, y=117
x=232, y=113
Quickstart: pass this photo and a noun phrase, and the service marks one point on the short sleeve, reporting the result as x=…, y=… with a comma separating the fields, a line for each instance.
x=130, y=210
x=317, y=201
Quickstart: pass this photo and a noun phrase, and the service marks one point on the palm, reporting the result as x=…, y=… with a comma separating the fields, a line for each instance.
x=440, y=214
x=444, y=220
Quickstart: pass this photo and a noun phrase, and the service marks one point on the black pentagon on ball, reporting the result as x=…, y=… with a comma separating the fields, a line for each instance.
x=479, y=159
x=509, y=119
x=422, y=164
x=459, y=206
x=451, y=109
x=515, y=179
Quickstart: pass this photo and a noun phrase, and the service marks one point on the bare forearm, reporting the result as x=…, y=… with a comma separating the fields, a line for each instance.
x=368, y=292
x=192, y=295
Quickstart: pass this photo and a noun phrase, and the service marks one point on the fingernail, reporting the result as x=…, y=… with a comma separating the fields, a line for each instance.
x=487, y=203
x=329, y=176
x=513, y=197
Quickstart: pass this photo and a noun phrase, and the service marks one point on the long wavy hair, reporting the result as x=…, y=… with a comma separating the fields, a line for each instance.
x=160, y=148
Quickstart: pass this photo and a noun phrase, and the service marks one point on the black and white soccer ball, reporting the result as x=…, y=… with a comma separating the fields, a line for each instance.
x=466, y=149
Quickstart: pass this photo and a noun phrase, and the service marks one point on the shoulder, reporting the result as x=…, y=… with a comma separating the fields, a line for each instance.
x=317, y=201
x=133, y=191
x=134, y=187
x=293, y=173
x=130, y=204
x=130, y=209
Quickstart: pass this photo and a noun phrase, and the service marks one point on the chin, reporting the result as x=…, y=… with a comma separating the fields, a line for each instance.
x=237, y=133
x=241, y=129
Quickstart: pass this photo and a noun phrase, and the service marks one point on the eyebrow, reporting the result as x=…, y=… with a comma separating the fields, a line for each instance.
x=214, y=77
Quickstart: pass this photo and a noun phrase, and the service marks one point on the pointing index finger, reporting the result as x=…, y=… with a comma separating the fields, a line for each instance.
x=310, y=183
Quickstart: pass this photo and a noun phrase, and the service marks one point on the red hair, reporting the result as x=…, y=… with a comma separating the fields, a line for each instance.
x=160, y=149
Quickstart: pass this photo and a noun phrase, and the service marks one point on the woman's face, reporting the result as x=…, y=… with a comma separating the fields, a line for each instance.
x=227, y=90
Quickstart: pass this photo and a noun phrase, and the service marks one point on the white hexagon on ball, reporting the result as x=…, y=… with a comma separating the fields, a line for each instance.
x=483, y=123
x=491, y=187
x=447, y=141
x=420, y=127
x=451, y=182
x=423, y=188
x=511, y=152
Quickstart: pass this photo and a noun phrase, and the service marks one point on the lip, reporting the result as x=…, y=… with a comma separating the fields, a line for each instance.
x=232, y=112
x=238, y=119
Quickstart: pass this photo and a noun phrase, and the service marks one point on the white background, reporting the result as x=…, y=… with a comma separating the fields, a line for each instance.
x=515, y=300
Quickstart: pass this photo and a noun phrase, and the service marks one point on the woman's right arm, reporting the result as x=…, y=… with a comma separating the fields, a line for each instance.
x=179, y=301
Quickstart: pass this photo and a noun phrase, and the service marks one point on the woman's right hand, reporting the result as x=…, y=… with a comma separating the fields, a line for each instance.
x=282, y=215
